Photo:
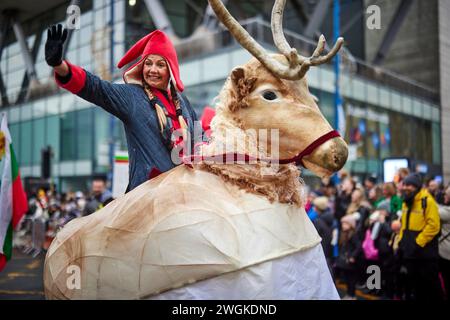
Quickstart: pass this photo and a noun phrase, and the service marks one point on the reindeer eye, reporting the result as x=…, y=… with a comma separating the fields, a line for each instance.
x=269, y=95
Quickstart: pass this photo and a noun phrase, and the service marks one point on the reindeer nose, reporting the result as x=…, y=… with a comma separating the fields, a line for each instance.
x=327, y=158
x=338, y=154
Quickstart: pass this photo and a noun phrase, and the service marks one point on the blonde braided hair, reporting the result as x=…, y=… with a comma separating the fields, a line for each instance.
x=162, y=118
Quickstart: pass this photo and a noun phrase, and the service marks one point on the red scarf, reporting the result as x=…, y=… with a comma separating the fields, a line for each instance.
x=169, y=105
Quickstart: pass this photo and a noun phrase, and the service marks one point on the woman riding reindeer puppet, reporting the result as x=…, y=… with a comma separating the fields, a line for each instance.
x=214, y=230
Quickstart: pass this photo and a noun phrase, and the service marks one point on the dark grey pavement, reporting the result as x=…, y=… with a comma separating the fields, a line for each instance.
x=22, y=278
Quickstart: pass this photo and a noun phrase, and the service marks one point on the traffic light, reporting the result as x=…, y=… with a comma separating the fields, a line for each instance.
x=46, y=162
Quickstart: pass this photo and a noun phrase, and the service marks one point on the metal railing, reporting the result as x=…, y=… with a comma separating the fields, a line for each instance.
x=34, y=235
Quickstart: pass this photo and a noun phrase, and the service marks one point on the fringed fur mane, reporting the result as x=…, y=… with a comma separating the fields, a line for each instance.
x=278, y=183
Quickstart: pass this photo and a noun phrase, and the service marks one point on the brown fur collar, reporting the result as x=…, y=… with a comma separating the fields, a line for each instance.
x=278, y=184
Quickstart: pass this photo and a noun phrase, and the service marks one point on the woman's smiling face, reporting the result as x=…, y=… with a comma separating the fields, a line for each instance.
x=156, y=72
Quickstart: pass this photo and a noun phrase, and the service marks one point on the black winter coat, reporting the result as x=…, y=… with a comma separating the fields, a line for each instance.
x=341, y=204
x=324, y=226
x=351, y=249
x=382, y=240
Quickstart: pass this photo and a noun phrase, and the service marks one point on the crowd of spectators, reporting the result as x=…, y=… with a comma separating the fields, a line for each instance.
x=401, y=227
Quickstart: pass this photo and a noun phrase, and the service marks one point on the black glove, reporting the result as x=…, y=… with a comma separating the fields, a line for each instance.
x=54, y=45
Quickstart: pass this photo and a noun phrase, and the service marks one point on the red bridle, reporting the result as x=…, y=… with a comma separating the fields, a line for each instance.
x=237, y=157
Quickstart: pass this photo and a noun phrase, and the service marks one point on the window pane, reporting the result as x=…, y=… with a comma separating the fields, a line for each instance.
x=385, y=99
x=68, y=134
x=39, y=108
x=85, y=136
x=85, y=55
x=372, y=93
x=14, y=115
x=85, y=34
x=326, y=105
x=436, y=143
x=26, y=112
x=52, y=137
x=67, y=102
x=26, y=143
x=407, y=105
x=38, y=140
x=86, y=18
x=396, y=101
x=359, y=89
x=101, y=140
x=14, y=130
x=53, y=105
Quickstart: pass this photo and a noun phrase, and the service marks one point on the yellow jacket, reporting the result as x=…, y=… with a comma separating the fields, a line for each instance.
x=429, y=223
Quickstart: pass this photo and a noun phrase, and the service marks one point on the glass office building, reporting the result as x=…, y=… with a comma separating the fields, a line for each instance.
x=383, y=118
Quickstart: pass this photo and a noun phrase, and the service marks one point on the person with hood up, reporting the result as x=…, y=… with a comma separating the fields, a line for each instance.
x=149, y=103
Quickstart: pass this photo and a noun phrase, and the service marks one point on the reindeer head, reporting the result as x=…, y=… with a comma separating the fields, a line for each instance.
x=271, y=92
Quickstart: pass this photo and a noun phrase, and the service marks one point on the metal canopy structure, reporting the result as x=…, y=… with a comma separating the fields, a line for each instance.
x=317, y=17
x=13, y=15
x=392, y=31
x=159, y=16
x=27, y=9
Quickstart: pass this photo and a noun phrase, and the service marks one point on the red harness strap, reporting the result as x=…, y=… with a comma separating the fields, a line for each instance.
x=236, y=157
x=309, y=149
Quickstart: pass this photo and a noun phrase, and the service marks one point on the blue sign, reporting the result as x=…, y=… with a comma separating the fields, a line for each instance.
x=362, y=127
x=375, y=140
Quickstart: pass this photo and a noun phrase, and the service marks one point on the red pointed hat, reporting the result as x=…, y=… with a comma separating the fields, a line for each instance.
x=158, y=43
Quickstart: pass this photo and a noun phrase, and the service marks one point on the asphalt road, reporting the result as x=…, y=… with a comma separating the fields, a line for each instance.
x=22, y=278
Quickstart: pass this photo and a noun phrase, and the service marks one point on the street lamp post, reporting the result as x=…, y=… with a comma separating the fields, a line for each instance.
x=111, y=117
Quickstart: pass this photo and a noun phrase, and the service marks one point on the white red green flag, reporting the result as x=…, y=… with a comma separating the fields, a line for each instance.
x=13, y=200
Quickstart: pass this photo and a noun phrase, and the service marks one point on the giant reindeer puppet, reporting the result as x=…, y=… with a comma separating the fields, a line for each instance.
x=209, y=230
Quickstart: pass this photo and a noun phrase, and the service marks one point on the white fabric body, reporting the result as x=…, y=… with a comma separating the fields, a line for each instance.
x=300, y=276
x=184, y=227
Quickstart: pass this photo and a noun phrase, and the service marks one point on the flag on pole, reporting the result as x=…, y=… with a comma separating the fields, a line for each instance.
x=13, y=200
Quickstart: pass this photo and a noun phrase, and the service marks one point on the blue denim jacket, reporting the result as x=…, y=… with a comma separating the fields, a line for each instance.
x=131, y=105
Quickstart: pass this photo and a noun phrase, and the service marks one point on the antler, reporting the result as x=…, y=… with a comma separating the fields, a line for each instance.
x=291, y=54
x=298, y=64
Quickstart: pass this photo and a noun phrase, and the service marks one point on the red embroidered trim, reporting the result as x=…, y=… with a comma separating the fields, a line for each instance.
x=236, y=157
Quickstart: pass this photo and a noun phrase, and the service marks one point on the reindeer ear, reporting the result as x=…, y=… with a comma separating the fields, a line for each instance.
x=236, y=74
x=242, y=87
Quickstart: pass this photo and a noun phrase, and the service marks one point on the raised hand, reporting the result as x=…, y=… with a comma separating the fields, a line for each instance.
x=56, y=37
